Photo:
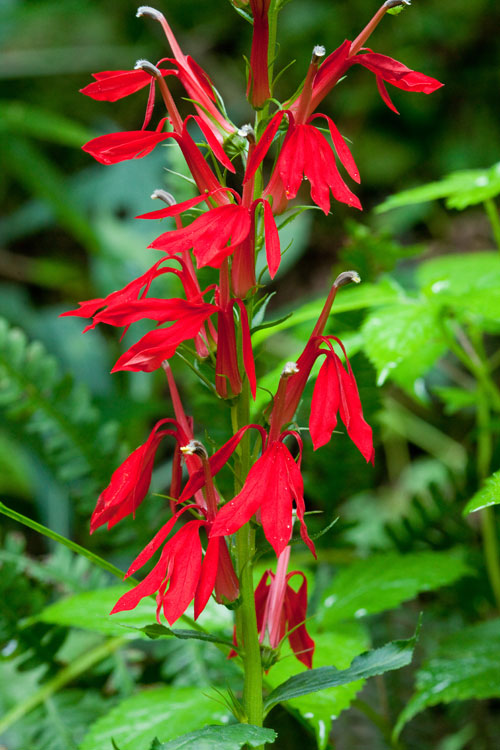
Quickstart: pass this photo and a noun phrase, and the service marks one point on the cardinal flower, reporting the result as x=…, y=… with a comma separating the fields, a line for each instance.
x=130, y=482
x=306, y=153
x=282, y=611
x=183, y=572
x=273, y=485
x=215, y=234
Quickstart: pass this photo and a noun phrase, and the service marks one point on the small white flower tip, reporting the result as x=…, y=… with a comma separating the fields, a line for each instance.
x=319, y=51
x=162, y=195
x=346, y=277
x=147, y=67
x=147, y=10
x=194, y=448
x=289, y=369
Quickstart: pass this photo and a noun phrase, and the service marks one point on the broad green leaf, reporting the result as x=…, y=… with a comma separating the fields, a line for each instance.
x=468, y=283
x=339, y=647
x=465, y=666
x=403, y=341
x=393, y=655
x=464, y=188
x=163, y=712
x=90, y=610
x=232, y=737
x=489, y=494
x=384, y=581
x=350, y=298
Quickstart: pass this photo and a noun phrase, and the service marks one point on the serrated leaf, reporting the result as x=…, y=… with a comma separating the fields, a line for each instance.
x=488, y=495
x=468, y=283
x=160, y=712
x=465, y=666
x=393, y=655
x=339, y=646
x=464, y=188
x=384, y=581
x=403, y=341
x=220, y=738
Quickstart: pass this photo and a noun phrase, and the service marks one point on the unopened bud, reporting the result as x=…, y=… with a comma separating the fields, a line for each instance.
x=346, y=277
x=146, y=10
x=162, y=195
x=148, y=67
x=194, y=448
x=289, y=369
x=318, y=52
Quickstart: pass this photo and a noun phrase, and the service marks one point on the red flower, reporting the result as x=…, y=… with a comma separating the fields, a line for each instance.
x=306, y=153
x=385, y=69
x=335, y=391
x=282, y=611
x=116, y=147
x=130, y=482
x=209, y=234
x=258, y=74
x=273, y=484
x=183, y=569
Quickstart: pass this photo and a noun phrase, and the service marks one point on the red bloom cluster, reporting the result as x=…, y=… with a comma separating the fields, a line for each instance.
x=195, y=559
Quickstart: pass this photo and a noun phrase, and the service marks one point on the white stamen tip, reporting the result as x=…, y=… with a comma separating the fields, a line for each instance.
x=319, y=51
x=146, y=10
x=194, y=448
x=147, y=67
x=162, y=195
x=289, y=369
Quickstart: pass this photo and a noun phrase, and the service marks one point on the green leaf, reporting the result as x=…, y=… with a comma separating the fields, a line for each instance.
x=350, y=298
x=468, y=283
x=339, y=646
x=90, y=610
x=155, y=631
x=465, y=666
x=384, y=581
x=403, y=341
x=489, y=494
x=393, y=655
x=464, y=188
x=160, y=712
x=456, y=399
x=220, y=738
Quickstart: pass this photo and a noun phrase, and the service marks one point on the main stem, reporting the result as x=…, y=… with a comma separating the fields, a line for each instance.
x=246, y=619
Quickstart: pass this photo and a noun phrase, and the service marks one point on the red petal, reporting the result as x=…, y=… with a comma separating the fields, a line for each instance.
x=342, y=149
x=273, y=250
x=116, y=147
x=174, y=210
x=263, y=145
x=296, y=612
x=396, y=73
x=292, y=160
x=185, y=552
x=385, y=95
x=151, y=308
x=325, y=403
x=351, y=414
x=214, y=144
x=217, y=461
x=148, y=586
x=207, y=577
x=112, y=85
x=248, y=360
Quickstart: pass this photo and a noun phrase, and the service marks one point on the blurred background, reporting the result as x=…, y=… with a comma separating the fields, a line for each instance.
x=67, y=233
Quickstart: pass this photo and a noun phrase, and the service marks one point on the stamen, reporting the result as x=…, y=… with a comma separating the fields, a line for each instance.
x=346, y=277
x=194, y=448
x=146, y=10
x=318, y=52
x=148, y=67
x=289, y=369
x=162, y=195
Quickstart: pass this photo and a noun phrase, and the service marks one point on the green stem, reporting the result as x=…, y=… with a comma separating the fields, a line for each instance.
x=66, y=675
x=246, y=619
x=492, y=213
x=488, y=525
